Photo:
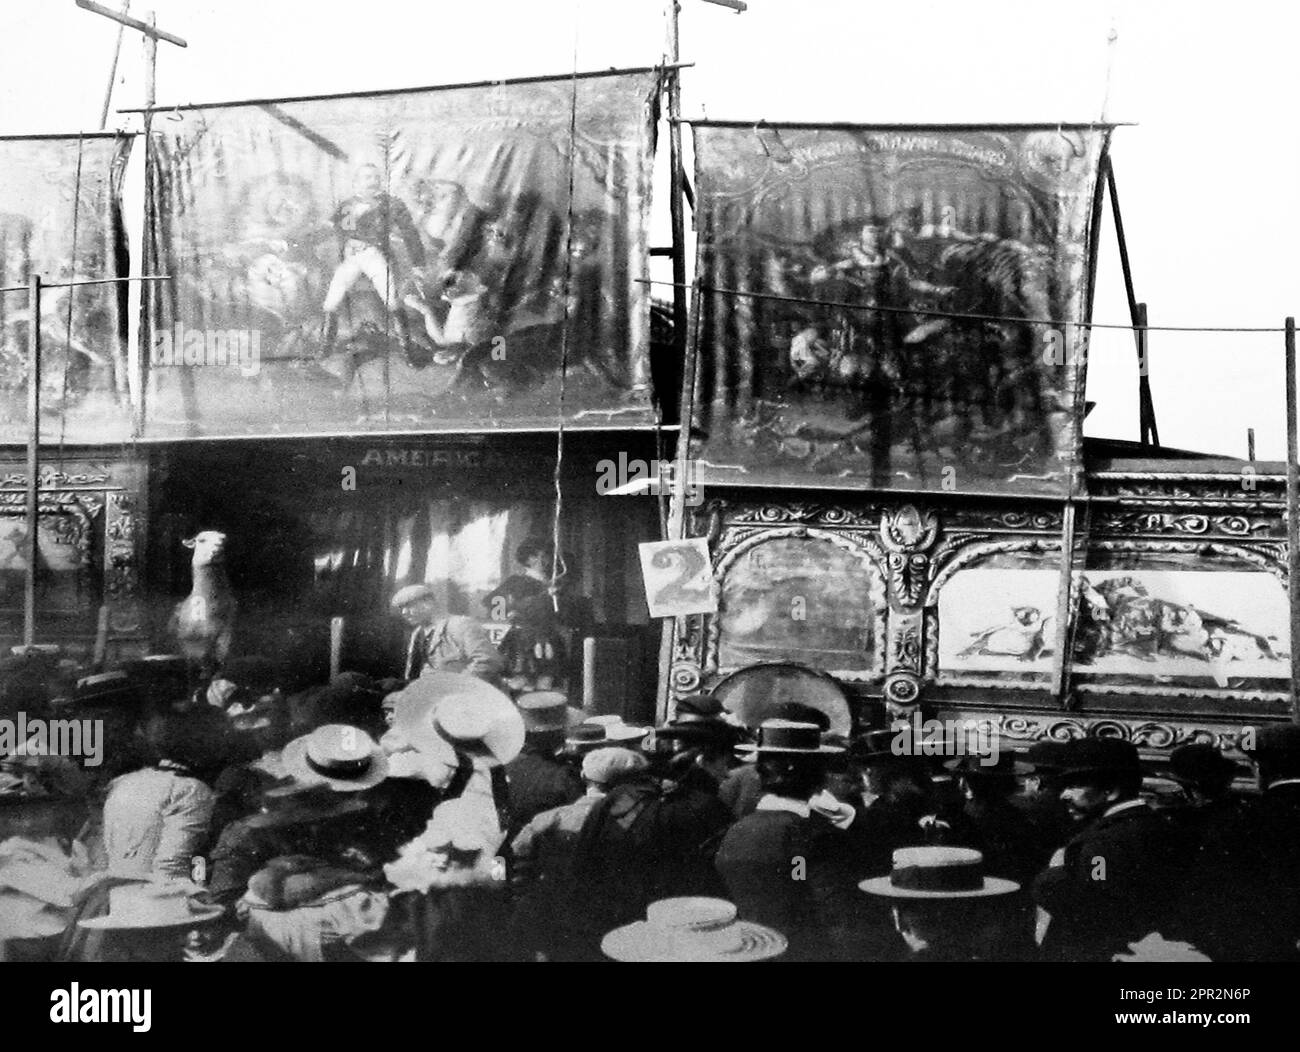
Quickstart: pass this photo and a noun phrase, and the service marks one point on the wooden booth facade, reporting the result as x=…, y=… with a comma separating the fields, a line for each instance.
x=1178, y=620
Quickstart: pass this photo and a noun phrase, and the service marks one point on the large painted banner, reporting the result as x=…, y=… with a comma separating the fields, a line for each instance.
x=60, y=220
x=407, y=261
x=951, y=236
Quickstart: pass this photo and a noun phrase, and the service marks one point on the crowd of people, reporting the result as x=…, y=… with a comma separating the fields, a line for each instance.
x=441, y=819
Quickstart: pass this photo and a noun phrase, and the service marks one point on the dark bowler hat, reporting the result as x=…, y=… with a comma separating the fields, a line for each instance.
x=1045, y=754
x=974, y=766
x=1278, y=740
x=1092, y=756
x=701, y=706
x=106, y=688
x=1200, y=762
x=701, y=732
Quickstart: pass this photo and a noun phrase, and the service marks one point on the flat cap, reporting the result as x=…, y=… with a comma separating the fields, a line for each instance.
x=412, y=593
x=603, y=766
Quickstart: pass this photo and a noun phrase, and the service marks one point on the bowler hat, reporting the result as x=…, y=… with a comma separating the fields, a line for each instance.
x=1199, y=762
x=700, y=706
x=106, y=688
x=1093, y=756
x=1280, y=740
x=701, y=732
x=974, y=766
x=1045, y=754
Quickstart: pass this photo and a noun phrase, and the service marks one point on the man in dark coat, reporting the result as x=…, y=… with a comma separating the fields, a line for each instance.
x=654, y=836
x=1010, y=843
x=537, y=779
x=1255, y=862
x=785, y=865
x=1116, y=880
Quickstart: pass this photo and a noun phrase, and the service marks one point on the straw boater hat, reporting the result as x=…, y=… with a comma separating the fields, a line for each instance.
x=448, y=708
x=934, y=873
x=692, y=929
x=790, y=738
x=343, y=757
x=147, y=904
x=600, y=731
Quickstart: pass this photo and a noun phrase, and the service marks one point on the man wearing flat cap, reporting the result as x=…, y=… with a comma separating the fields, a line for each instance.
x=1115, y=882
x=443, y=644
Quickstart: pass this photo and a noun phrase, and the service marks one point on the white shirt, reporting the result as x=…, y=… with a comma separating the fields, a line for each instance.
x=771, y=802
x=1115, y=809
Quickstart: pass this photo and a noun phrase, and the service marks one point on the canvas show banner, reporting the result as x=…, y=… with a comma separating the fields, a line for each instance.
x=414, y=261
x=954, y=235
x=60, y=219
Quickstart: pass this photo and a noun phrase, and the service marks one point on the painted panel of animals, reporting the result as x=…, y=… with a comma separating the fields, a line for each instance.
x=1224, y=626
x=411, y=261
x=60, y=219
x=861, y=305
x=798, y=599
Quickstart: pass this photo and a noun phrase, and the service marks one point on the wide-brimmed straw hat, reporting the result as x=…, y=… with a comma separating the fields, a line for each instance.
x=933, y=873
x=339, y=755
x=149, y=904
x=443, y=708
x=692, y=929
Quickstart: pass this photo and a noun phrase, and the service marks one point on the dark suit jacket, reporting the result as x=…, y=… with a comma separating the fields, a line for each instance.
x=538, y=782
x=1246, y=897
x=1121, y=877
x=796, y=875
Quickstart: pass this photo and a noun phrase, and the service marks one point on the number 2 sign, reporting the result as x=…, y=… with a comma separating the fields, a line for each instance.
x=678, y=577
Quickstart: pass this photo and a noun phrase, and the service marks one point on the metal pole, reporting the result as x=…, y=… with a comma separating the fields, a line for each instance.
x=33, y=456
x=1293, y=517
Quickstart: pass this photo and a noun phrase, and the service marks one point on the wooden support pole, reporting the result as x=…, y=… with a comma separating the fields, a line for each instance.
x=1064, y=590
x=147, y=27
x=33, y=457
x=1293, y=517
x=676, y=211
x=1137, y=315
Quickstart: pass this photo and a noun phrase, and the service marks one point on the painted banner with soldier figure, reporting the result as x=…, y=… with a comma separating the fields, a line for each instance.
x=405, y=261
x=861, y=305
x=61, y=221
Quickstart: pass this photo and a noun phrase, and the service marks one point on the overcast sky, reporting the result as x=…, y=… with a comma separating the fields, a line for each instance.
x=1207, y=177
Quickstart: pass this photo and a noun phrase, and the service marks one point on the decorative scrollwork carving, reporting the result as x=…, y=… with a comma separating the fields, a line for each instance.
x=906, y=529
